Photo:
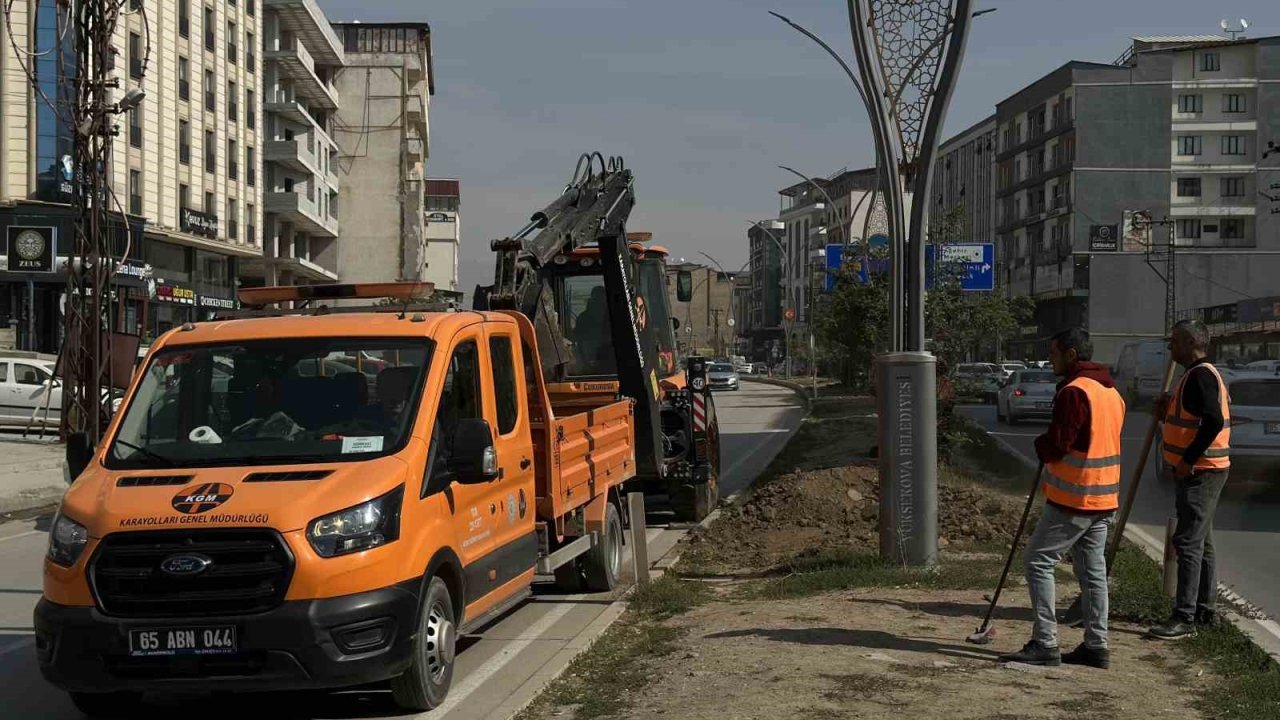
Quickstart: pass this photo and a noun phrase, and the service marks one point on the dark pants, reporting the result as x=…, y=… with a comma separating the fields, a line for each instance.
x=1197, y=502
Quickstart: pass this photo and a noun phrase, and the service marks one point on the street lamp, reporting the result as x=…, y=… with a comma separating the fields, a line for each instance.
x=786, y=291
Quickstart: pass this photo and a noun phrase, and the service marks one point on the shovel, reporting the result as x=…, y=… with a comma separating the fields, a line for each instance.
x=987, y=632
x=1074, y=615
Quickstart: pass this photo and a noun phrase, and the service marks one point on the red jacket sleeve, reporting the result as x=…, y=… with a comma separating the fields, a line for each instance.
x=1070, y=418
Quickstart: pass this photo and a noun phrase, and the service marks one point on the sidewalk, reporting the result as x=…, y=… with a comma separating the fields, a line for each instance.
x=31, y=474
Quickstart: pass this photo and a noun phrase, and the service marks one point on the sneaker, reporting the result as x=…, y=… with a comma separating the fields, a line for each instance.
x=1093, y=657
x=1206, y=618
x=1033, y=653
x=1174, y=629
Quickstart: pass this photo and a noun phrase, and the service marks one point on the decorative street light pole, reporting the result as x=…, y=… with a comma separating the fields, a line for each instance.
x=909, y=54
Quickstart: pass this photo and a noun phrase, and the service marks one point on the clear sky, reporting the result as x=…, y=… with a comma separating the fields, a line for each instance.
x=704, y=98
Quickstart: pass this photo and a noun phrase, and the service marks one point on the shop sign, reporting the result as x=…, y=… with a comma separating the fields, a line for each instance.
x=32, y=249
x=164, y=292
x=198, y=223
x=1104, y=238
x=217, y=303
x=134, y=269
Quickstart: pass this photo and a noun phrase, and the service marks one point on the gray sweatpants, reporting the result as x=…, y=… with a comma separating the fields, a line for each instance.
x=1086, y=537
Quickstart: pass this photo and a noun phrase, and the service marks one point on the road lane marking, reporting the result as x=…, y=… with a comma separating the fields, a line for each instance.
x=460, y=692
x=28, y=533
x=16, y=645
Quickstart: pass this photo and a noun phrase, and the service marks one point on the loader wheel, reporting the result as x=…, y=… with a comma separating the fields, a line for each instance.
x=426, y=683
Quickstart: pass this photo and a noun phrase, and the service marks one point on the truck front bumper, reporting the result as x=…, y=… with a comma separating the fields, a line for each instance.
x=303, y=644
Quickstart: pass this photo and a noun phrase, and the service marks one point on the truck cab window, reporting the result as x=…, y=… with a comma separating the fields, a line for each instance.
x=459, y=400
x=504, y=382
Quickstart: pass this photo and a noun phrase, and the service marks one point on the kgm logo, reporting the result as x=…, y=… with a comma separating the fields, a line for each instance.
x=201, y=498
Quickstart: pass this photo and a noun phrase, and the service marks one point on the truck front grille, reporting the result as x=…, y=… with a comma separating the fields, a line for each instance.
x=248, y=571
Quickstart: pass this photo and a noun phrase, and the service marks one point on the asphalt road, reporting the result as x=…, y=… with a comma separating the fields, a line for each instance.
x=497, y=669
x=1246, y=528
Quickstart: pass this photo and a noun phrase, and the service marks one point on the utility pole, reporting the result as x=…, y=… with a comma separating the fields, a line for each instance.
x=1167, y=253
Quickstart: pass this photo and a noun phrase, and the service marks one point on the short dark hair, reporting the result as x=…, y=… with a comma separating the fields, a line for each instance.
x=1075, y=338
x=1195, y=330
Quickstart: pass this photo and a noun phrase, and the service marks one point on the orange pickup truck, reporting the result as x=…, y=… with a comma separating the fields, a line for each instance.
x=321, y=499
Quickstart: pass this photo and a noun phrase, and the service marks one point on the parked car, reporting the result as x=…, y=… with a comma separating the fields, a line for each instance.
x=759, y=368
x=1255, y=424
x=744, y=369
x=28, y=387
x=1140, y=369
x=722, y=376
x=1008, y=368
x=978, y=380
x=1268, y=366
x=1028, y=394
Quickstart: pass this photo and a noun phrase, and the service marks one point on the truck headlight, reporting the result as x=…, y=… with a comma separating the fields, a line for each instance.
x=67, y=539
x=363, y=527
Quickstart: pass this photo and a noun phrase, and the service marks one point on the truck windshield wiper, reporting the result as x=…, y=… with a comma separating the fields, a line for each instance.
x=168, y=461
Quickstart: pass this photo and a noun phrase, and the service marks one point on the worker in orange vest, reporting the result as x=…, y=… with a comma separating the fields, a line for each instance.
x=1196, y=441
x=1081, y=456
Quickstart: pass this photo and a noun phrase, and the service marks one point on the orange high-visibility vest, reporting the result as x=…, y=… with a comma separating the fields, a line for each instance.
x=1180, y=428
x=1091, y=480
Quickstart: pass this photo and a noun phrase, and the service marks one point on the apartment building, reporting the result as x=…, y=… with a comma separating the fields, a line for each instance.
x=301, y=55
x=443, y=233
x=383, y=140
x=1181, y=128
x=182, y=169
x=964, y=182
x=704, y=318
x=764, y=305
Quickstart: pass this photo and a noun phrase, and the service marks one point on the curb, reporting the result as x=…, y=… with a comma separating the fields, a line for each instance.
x=29, y=499
x=587, y=637
x=1264, y=632
x=795, y=387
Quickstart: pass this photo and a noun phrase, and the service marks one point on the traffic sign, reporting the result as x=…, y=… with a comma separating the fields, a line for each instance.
x=973, y=263
x=790, y=314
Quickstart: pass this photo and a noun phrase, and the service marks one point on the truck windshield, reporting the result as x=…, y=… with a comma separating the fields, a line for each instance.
x=300, y=400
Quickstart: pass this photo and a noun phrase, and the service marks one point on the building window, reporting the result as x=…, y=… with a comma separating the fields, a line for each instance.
x=233, y=160
x=250, y=229
x=1232, y=144
x=184, y=18
x=210, y=101
x=135, y=56
x=250, y=167
x=1210, y=62
x=1233, y=103
x=209, y=200
x=184, y=197
x=233, y=227
x=1232, y=229
x=1190, y=103
x=249, y=58
x=250, y=117
x=184, y=142
x=1232, y=187
x=210, y=42
x=135, y=192
x=1189, y=187
x=135, y=127
x=1189, y=229
x=1188, y=145
x=249, y=8
x=233, y=102
x=210, y=151
x=184, y=79
x=233, y=52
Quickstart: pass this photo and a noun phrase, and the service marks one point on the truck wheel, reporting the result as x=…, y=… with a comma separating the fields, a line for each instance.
x=426, y=683
x=569, y=578
x=602, y=565
x=107, y=705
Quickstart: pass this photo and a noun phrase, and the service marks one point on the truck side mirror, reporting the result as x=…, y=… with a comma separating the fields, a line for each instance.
x=684, y=286
x=474, y=459
x=79, y=454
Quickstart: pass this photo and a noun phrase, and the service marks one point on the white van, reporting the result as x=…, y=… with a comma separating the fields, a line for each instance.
x=1140, y=369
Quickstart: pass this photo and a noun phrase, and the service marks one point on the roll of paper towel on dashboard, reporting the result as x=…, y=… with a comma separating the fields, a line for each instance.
x=205, y=435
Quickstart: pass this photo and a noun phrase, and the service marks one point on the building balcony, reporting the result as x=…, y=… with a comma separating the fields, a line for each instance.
x=293, y=154
x=305, y=19
x=297, y=64
x=303, y=213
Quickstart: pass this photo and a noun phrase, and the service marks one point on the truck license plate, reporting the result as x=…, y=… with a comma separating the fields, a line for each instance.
x=216, y=640
x=1273, y=428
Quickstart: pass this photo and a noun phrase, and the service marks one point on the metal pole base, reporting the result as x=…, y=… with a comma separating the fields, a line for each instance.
x=908, y=435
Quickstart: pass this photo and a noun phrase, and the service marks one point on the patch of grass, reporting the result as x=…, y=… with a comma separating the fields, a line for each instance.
x=841, y=570
x=599, y=682
x=861, y=686
x=666, y=597
x=1248, y=680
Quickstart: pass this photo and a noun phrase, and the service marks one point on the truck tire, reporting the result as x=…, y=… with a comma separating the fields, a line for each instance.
x=426, y=683
x=107, y=705
x=602, y=565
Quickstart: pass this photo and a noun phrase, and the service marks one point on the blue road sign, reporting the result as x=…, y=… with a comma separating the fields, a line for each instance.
x=837, y=255
x=974, y=263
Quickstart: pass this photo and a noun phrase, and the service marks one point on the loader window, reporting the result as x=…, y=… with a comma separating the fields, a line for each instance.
x=586, y=312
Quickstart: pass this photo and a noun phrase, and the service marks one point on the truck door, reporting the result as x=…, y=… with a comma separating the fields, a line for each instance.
x=515, y=542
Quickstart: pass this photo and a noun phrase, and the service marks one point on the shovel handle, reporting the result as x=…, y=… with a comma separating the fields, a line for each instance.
x=1132, y=495
x=1013, y=548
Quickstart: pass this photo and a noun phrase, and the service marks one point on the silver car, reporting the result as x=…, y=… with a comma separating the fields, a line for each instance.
x=722, y=376
x=1028, y=394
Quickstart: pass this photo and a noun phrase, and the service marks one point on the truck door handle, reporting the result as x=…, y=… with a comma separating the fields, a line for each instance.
x=524, y=463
